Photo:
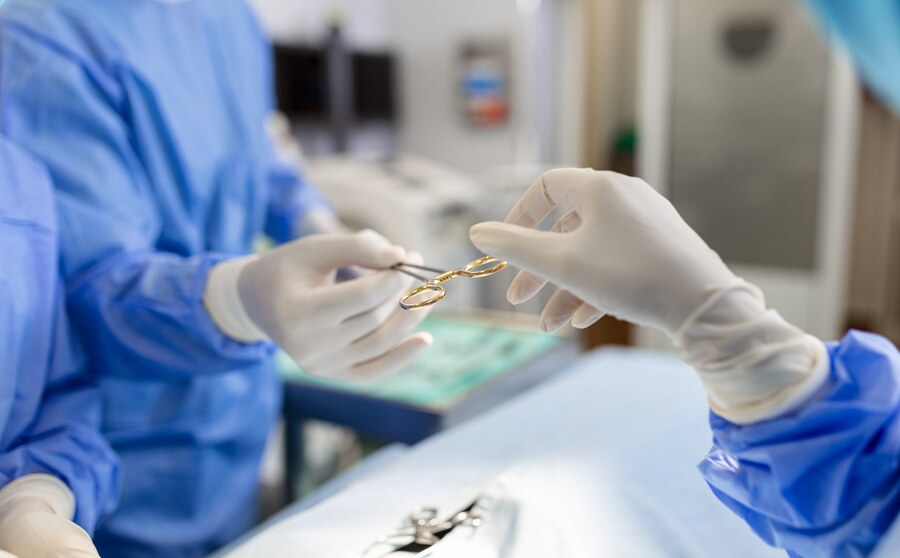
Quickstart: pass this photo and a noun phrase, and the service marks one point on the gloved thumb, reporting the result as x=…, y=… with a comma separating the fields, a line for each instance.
x=536, y=251
x=364, y=249
x=47, y=535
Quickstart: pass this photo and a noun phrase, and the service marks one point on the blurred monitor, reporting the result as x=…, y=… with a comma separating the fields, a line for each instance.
x=302, y=93
x=373, y=86
x=301, y=85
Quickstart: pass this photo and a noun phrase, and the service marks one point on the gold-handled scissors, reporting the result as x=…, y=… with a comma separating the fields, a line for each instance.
x=432, y=290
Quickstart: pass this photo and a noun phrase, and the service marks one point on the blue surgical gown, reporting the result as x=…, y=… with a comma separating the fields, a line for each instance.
x=49, y=404
x=870, y=31
x=150, y=118
x=825, y=479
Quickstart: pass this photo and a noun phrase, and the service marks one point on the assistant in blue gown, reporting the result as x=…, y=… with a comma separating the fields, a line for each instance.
x=824, y=481
x=150, y=118
x=49, y=405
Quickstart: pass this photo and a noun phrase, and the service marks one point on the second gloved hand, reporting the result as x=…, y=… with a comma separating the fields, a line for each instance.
x=349, y=330
x=621, y=249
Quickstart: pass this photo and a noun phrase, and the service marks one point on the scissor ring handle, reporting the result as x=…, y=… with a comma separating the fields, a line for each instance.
x=437, y=289
x=468, y=270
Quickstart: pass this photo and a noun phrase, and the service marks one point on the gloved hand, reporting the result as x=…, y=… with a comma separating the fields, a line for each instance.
x=349, y=330
x=35, y=520
x=624, y=250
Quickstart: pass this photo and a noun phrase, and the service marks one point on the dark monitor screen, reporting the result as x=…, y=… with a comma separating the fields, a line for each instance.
x=373, y=86
x=301, y=83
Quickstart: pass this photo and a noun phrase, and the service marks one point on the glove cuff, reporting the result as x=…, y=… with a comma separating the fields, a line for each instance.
x=37, y=492
x=223, y=302
x=753, y=364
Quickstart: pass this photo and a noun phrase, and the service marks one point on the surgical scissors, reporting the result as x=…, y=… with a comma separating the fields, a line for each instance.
x=422, y=530
x=432, y=290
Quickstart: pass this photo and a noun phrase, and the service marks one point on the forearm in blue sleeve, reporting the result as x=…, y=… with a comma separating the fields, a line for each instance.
x=823, y=480
x=63, y=437
x=291, y=196
x=143, y=315
x=65, y=441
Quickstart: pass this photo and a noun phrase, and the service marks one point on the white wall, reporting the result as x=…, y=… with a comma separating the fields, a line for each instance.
x=306, y=21
x=811, y=299
x=427, y=35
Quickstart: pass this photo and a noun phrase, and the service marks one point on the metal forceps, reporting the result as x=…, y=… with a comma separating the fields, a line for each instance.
x=421, y=531
x=432, y=290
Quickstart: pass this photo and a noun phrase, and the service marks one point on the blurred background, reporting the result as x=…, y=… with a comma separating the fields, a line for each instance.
x=418, y=118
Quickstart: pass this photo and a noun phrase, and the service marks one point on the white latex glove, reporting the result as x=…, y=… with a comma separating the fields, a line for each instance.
x=624, y=250
x=349, y=330
x=35, y=520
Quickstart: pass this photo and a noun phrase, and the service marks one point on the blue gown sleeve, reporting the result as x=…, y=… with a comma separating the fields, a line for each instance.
x=825, y=479
x=291, y=195
x=139, y=310
x=63, y=439
x=49, y=404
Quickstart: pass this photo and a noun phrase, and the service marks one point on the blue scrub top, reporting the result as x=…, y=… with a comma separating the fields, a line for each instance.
x=49, y=405
x=822, y=481
x=150, y=118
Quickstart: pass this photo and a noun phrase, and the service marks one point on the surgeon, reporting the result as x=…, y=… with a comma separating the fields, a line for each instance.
x=806, y=434
x=58, y=476
x=150, y=117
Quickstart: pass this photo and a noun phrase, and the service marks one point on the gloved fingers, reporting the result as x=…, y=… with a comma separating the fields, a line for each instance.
x=367, y=248
x=532, y=208
x=529, y=249
x=356, y=299
x=527, y=284
x=386, y=337
x=45, y=534
x=567, y=186
x=392, y=361
x=524, y=286
x=559, y=310
x=586, y=316
x=362, y=325
x=363, y=294
x=567, y=223
x=414, y=258
x=338, y=359
x=556, y=187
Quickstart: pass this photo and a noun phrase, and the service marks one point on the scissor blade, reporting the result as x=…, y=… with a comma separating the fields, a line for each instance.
x=422, y=267
x=411, y=274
